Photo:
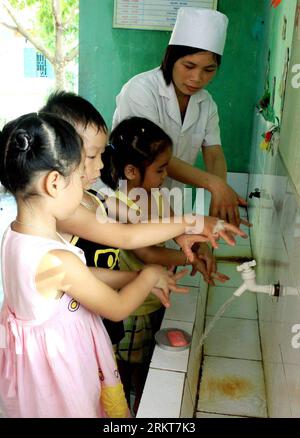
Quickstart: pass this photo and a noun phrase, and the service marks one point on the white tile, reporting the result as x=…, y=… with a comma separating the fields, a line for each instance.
x=183, y=306
x=288, y=341
x=172, y=360
x=189, y=280
x=239, y=182
x=244, y=306
x=292, y=373
x=162, y=395
x=269, y=342
x=233, y=337
x=277, y=391
x=232, y=386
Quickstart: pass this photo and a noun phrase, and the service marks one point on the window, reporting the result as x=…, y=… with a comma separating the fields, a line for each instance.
x=36, y=65
x=41, y=65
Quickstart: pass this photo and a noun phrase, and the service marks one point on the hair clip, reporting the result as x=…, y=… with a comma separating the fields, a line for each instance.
x=23, y=140
x=111, y=145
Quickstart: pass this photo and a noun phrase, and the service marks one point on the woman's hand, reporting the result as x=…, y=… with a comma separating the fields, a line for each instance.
x=225, y=204
x=167, y=282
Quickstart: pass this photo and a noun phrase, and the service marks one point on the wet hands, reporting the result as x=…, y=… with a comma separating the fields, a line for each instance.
x=167, y=282
x=205, y=263
x=186, y=242
x=225, y=204
x=209, y=234
x=214, y=229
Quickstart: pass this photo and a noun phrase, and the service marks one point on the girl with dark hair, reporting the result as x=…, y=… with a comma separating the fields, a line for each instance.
x=174, y=97
x=56, y=359
x=138, y=154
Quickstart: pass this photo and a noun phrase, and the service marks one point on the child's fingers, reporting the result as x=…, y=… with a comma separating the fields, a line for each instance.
x=212, y=239
x=162, y=295
x=235, y=230
x=189, y=241
x=227, y=237
x=245, y=222
x=220, y=277
x=181, y=274
x=179, y=289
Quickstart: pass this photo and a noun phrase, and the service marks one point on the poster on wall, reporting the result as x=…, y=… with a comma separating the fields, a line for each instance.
x=153, y=14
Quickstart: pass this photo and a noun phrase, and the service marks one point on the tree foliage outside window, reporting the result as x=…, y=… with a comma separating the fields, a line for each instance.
x=51, y=26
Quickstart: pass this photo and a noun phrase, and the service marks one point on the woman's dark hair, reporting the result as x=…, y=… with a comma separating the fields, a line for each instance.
x=75, y=109
x=36, y=143
x=136, y=141
x=173, y=53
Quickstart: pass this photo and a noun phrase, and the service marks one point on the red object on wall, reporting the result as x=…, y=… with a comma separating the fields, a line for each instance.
x=275, y=3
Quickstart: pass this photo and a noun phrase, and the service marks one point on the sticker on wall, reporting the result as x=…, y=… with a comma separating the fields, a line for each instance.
x=276, y=3
x=271, y=139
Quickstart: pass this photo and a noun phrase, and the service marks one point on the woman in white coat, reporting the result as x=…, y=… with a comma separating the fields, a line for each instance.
x=173, y=97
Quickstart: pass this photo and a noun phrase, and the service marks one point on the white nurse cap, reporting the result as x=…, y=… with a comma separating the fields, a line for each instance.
x=200, y=28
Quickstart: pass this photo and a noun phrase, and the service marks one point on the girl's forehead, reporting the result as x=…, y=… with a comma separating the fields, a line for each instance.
x=93, y=137
x=164, y=155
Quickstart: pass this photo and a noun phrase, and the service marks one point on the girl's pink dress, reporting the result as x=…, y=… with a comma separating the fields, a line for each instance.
x=56, y=359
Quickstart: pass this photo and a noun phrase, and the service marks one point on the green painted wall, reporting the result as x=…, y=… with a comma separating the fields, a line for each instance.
x=109, y=57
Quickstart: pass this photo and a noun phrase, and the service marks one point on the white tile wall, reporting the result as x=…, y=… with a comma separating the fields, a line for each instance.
x=233, y=337
x=275, y=244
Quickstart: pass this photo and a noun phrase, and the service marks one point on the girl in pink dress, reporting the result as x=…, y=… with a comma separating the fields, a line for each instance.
x=56, y=359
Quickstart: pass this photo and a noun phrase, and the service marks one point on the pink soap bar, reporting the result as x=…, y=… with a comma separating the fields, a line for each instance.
x=176, y=338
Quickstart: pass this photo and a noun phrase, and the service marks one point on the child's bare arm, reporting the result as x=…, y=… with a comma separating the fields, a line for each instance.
x=114, y=279
x=161, y=256
x=62, y=271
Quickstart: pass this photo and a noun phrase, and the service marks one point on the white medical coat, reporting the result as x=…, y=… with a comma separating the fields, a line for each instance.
x=147, y=95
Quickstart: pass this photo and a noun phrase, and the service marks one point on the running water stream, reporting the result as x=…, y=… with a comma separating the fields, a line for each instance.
x=213, y=321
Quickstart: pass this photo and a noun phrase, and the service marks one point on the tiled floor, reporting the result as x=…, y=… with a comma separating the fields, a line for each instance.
x=232, y=380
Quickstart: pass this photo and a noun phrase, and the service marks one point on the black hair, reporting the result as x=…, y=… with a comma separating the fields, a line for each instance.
x=173, y=53
x=75, y=109
x=136, y=141
x=36, y=143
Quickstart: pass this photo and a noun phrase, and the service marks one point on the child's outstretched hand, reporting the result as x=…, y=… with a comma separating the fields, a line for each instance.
x=167, y=283
x=205, y=263
x=213, y=228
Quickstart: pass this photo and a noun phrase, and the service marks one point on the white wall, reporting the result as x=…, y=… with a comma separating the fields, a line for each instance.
x=18, y=95
x=276, y=248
